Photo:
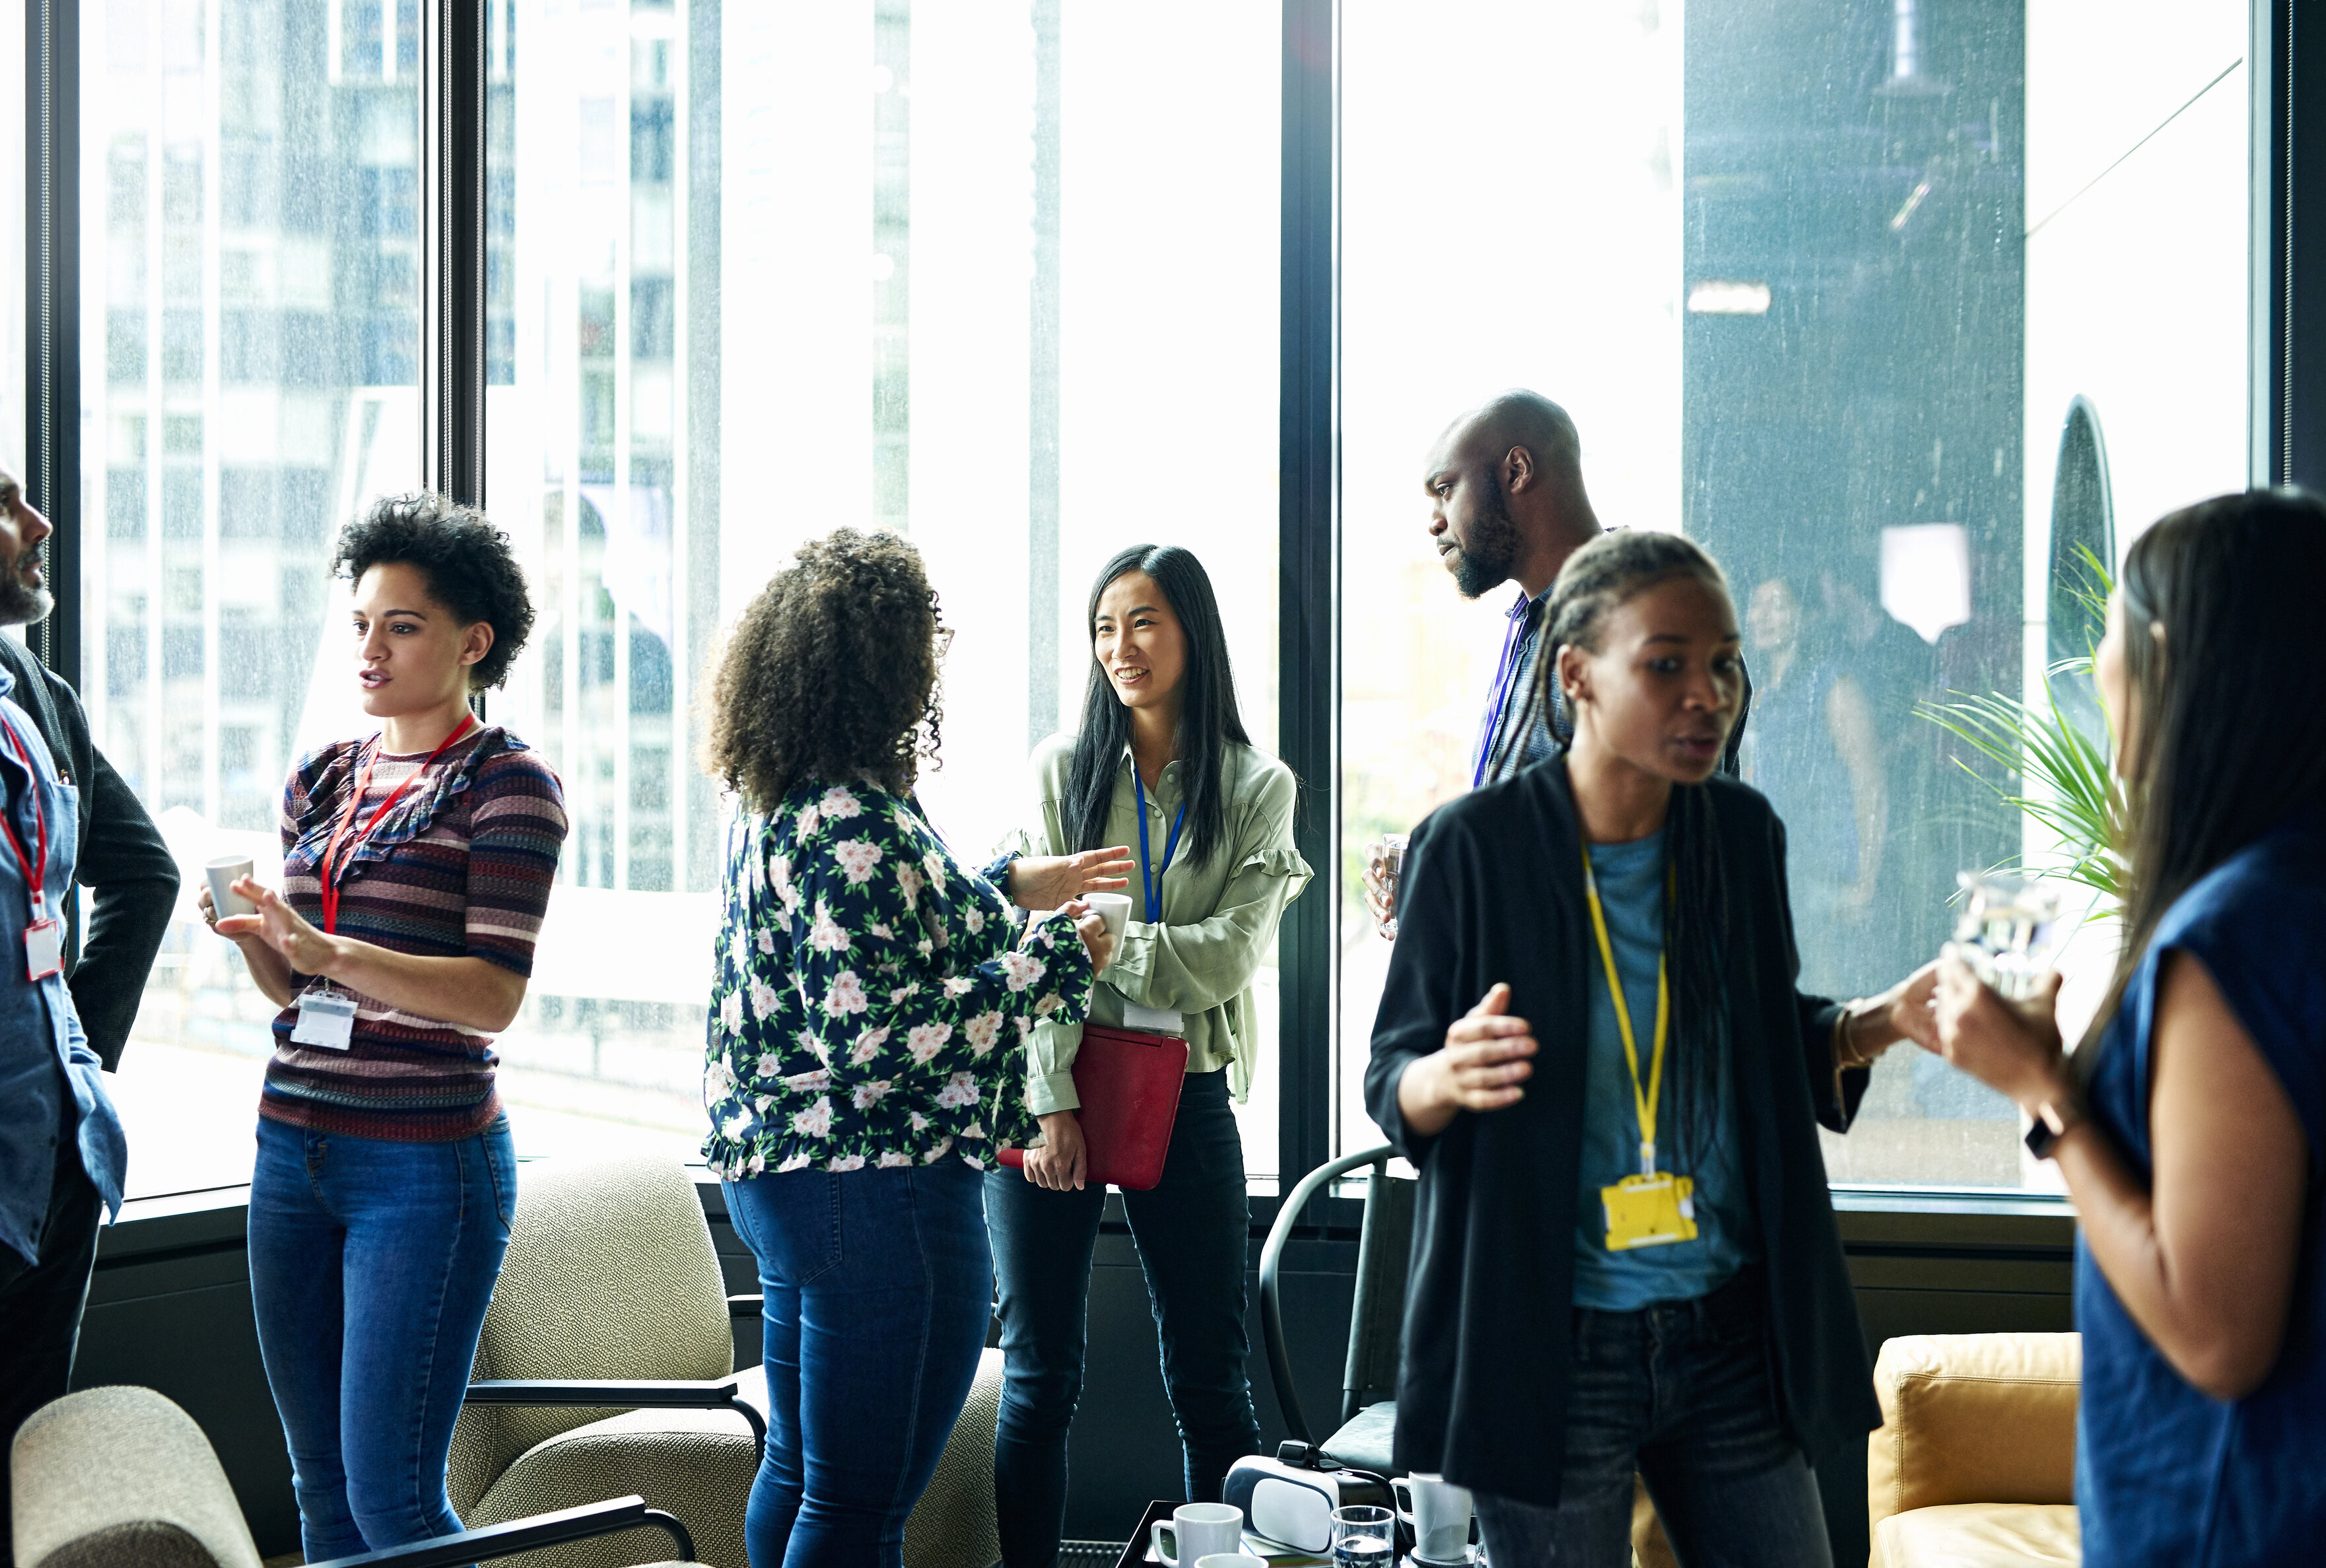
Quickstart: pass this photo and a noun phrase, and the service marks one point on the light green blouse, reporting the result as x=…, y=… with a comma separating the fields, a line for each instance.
x=1219, y=915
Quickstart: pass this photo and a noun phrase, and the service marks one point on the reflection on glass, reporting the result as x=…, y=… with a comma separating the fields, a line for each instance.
x=12, y=247
x=1816, y=293
x=248, y=271
x=764, y=270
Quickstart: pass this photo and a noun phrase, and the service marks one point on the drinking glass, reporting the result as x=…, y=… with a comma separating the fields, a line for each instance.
x=1364, y=1537
x=2009, y=931
x=1389, y=849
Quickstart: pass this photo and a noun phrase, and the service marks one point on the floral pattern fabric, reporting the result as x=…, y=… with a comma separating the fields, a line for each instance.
x=873, y=997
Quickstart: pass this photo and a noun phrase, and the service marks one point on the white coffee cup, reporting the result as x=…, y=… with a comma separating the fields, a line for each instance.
x=1196, y=1531
x=223, y=873
x=1230, y=1560
x=1114, y=907
x=1440, y=1513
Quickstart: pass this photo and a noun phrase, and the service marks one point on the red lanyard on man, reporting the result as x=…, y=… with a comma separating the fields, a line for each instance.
x=346, y=817
x=44, y=937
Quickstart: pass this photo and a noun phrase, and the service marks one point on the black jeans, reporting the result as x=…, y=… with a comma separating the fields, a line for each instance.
x=1193, y=1235
x=1680, y=1390
x=40, y=1310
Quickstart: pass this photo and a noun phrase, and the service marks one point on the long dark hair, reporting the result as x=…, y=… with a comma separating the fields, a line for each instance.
x=2221, y=754
x=1603, y=575
x=1209, y=722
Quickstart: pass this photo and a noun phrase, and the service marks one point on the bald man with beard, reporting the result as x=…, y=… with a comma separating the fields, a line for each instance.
x=1506, y=500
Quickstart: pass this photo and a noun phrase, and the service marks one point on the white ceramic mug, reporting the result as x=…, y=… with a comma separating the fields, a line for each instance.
x=1114, y=907
x=1195, y=1531
x=1439, y=1514
x=222, y=873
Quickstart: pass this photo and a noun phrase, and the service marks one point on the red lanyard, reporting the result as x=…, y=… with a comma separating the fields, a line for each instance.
x=355, y=798
x=35, y=870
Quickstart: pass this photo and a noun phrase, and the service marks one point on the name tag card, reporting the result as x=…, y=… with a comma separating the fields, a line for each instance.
x=1162, y=1020
x=326, y=1018
x=1650, y=1212
x=44, y=948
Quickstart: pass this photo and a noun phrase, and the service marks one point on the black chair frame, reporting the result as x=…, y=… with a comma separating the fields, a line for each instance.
x=1271, y=1261
x=492, y=1541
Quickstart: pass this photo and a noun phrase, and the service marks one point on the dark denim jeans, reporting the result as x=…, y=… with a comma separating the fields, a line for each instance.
x=1193, y=1235
x=878, y=1290
x=39, y=1308
x=371, y=1265
x=1680, y=1391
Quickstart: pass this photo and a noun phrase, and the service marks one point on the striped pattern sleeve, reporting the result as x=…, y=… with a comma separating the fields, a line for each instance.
x=517, y=826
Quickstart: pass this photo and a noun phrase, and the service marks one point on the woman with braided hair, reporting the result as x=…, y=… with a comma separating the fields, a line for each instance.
x=1591, y=1045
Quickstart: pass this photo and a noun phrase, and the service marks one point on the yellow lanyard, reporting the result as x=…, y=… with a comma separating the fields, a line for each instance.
x=1644, y=1103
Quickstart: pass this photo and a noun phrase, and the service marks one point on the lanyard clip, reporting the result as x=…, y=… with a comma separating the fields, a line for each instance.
x=1647, y=1157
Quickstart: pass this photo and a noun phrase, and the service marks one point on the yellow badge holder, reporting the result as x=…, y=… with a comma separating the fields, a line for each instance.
x=1654, y=1208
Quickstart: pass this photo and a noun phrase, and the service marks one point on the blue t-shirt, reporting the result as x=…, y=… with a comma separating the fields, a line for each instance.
x=2165, y=1473
x=1696, y=1121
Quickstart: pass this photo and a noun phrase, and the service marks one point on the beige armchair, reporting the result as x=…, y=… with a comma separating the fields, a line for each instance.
x=121, y=1478
x=607, y=1367
x=1975, y=1462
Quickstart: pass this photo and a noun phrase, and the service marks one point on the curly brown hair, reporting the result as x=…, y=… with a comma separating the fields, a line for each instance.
x=830, y=673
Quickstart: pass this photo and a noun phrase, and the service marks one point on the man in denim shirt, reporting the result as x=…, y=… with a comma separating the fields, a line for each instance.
x=63, y=1156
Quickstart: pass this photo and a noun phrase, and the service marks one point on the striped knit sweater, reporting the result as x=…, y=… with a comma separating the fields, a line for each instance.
x=460, y=868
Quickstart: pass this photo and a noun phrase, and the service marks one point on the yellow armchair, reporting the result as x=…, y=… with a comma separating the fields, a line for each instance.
x=1973, y=1465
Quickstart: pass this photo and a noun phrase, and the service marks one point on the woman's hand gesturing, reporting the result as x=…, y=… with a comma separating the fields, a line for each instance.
x=306, y=950
x=1479, y=1067
x=1047, y=881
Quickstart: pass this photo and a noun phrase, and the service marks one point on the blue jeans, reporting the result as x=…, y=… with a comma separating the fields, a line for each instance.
x=879, y=1289
x=1193, y=1230
x=1680, y=1391
x=371, y=1265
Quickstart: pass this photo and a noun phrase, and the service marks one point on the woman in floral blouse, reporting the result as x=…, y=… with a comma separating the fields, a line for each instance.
x=865, y=1046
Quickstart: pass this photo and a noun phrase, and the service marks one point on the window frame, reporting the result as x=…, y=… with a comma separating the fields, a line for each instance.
x=2286, y=408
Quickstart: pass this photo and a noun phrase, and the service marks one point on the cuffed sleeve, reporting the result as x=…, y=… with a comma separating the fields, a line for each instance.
x=1050, y=1068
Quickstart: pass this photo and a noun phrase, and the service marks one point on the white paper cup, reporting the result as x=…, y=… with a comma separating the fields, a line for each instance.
x=223, y=873
x=1114, y=907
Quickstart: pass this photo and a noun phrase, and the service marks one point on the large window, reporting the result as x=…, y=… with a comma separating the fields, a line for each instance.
x=1820, y=288
x=250, y=328
x=1888, y=302
x=969, y=271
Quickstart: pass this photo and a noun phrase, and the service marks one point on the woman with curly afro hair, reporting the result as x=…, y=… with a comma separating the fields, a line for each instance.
x=865, y=1045
x=417, y=867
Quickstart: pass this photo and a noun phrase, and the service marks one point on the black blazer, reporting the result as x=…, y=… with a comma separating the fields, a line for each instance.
x=1493, y=890
x=129, y=871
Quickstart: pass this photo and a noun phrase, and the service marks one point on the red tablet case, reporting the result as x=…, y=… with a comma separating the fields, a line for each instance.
x=1128, y=1080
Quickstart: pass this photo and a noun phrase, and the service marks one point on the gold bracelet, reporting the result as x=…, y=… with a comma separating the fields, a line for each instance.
x=1845, y=1050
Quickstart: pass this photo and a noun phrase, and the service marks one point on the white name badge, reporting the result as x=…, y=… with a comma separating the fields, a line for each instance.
x=1162, y=1020
x=326, y=1018
x=44, y=948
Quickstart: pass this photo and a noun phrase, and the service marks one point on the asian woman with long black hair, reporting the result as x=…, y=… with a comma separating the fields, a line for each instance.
x=1591, y=1045
x=1162, y=761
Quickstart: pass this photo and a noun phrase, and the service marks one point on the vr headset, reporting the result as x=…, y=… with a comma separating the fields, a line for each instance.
x=1290, y=1499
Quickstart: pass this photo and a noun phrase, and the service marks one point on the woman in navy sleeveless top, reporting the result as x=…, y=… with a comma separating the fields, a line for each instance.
x=2190, y=1123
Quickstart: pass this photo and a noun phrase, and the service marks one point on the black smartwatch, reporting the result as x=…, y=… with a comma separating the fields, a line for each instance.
x=2052, y=1120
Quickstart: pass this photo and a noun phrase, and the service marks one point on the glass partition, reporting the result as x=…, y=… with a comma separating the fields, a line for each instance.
x=1820, y=288
x=960, y=270
x=249, y=297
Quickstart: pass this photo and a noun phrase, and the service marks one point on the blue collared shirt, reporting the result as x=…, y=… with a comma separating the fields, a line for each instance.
x=49, y=1086
x=1518, y=731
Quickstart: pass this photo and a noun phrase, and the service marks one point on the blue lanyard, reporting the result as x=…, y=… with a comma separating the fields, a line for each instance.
x=1153, y=883
x=1505, y=672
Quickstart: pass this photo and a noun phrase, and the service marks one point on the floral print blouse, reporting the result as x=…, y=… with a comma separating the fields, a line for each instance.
x=873, y=997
